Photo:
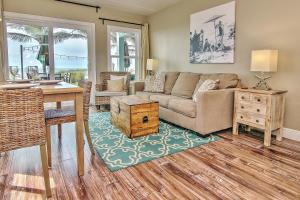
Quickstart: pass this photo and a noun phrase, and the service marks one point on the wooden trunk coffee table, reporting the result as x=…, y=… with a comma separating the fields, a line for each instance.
x=134, y=116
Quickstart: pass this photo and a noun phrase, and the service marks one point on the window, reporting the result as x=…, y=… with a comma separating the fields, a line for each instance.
x=124, y=47
x=44, y=48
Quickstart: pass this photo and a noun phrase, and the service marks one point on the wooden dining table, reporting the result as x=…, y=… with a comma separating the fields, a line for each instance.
x=57, y=93
x=67, y=92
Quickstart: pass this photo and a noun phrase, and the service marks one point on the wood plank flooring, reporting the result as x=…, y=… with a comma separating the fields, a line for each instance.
x=237, y=167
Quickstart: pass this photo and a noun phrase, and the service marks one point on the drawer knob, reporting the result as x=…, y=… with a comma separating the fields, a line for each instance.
x=257, y=121
x=258, y=110
x=242, y=107
x=242, y=117
x=243, y=97
x=258, y=100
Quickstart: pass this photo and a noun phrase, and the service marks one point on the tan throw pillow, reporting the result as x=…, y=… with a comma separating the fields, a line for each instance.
x=115, y=77
x=231, y=84
x=225, y=79
x=155, y=83
x=185, y=85
x=206, y=86
x=115, y=85
x=171, y=78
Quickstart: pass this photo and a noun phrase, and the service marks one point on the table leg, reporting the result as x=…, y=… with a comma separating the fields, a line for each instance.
x=267, y=137
x=235, y=129
x=79, y=133
x=58, y=106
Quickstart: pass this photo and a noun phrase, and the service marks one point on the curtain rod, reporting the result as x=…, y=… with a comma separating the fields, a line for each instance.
x=80, y=4
x=113, y=20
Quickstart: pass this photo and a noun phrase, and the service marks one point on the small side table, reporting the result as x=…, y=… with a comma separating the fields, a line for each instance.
x=260, y=109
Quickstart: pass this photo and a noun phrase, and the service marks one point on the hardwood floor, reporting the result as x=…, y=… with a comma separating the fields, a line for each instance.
x=237, y=167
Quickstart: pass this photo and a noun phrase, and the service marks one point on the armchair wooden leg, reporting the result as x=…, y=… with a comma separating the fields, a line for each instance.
x=59, y=130
x=45, y=169
x=58, y=106
x=88, y=136
x=48, y=137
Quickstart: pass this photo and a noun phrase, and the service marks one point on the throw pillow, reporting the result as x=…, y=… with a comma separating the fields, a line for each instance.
x=114, y=77
x=155, y=83
x=206, y=86
x=232, y=84
x=171, y=78
x=185, y=85
x=115, y=85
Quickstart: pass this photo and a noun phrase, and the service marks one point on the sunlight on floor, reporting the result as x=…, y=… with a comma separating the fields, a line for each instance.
x=30, y=182
x=24, y=195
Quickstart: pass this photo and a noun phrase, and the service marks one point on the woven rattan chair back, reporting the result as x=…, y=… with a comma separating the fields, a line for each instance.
x=22, y=122
x=105, y=76
x=87, y=86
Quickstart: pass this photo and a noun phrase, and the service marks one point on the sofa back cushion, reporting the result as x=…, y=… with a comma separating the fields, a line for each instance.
x=185, y=85
x=226, y=80
x=170, y=81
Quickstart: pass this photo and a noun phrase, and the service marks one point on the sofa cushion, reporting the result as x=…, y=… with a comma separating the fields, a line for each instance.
x=109, y=94
x=225, y=79
x=170, y=81
x=162, y=99
x=186, y=107
x=185, y=85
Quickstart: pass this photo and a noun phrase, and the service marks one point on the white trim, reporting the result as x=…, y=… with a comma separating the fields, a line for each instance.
x=58, y=23
x=42, y=19
x=291, y=134
x=138, y=45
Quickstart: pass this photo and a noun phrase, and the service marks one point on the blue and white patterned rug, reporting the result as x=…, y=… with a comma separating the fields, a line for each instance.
x=118, y=151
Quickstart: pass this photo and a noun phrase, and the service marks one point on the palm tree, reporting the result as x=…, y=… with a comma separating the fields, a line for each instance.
x=25, y=33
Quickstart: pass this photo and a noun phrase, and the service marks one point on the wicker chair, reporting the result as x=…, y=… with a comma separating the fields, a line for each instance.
x=22, y=124
x=102, y=96
x=60, y=116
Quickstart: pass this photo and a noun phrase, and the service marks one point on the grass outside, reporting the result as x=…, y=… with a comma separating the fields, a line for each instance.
x=76, y=75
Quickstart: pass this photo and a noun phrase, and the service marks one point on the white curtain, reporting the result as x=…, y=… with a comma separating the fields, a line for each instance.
x=145, y=50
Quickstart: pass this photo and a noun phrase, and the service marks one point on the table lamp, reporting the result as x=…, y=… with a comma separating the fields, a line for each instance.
x=152, y=65
x=264, y=61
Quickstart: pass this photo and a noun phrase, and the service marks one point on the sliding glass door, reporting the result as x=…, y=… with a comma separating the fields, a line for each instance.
x=70, y=54
x=47, y=48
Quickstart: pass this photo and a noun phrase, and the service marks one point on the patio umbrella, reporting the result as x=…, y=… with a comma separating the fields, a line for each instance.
x=126, y=55
x=43, y=55
x=213, y=19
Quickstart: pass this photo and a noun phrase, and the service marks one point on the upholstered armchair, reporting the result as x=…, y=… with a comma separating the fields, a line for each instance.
x=102, y=96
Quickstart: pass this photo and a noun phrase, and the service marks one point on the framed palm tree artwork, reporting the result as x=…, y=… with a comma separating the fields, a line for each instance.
x=212, y=35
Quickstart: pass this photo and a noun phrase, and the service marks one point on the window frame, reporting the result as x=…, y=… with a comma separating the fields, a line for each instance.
x=137, y=57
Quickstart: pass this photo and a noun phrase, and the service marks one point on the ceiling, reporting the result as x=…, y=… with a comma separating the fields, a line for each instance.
x=142, y=7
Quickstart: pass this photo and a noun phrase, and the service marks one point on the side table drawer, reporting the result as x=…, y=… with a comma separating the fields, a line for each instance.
x=243, y=96
x=258, y=98
x=251, y=107
x=251, y=118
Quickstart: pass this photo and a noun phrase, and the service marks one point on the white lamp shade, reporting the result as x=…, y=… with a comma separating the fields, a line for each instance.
x=152, y=64
x=264, y=61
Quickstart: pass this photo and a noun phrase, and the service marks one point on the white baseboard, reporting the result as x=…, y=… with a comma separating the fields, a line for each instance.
x=291, y=134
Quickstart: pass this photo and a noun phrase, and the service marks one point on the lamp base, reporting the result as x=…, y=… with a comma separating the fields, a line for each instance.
x=262, y=83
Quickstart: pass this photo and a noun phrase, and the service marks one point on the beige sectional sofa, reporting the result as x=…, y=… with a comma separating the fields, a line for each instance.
x=211, y=112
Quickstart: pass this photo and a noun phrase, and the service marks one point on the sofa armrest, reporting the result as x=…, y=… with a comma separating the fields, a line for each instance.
x=99, y=87
x=215, y=110
x=137, y=86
